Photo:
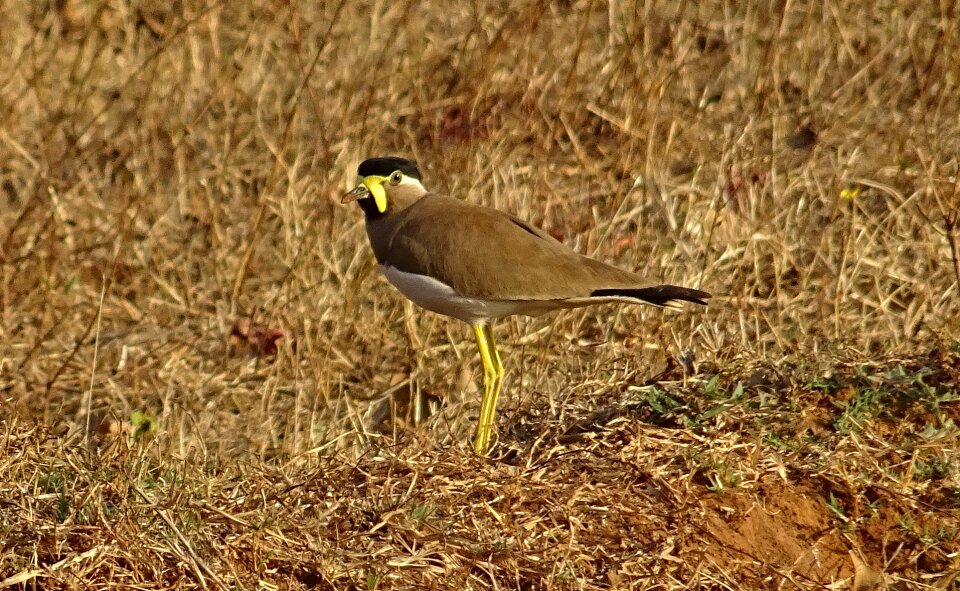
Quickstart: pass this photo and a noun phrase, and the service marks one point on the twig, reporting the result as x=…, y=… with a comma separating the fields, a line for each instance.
x=199, y=565
x=93, y=365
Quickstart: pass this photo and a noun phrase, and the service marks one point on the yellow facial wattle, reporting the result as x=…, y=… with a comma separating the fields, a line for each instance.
x=374, y=184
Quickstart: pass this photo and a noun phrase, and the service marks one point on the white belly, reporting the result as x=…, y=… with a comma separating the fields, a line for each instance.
x=439, y=297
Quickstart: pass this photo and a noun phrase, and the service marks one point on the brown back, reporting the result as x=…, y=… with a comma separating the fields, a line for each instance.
x=484, y=253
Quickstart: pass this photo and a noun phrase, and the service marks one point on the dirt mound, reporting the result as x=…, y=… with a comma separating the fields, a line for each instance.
x=784, y=527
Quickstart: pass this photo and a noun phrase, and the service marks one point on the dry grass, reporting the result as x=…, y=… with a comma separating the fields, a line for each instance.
x=168, y=171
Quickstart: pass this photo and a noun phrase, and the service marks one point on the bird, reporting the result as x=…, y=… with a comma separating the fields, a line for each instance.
x=479, y=264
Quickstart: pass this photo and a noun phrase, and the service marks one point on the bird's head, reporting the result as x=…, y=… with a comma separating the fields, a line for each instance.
x=383, y=183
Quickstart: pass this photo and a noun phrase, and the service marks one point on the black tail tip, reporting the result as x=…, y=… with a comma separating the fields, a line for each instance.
x=658, y=295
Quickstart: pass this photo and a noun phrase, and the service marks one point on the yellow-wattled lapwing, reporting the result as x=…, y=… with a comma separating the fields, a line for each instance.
x=479, y=264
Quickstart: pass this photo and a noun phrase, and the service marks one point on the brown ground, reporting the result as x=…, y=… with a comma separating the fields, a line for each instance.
x=203, y=384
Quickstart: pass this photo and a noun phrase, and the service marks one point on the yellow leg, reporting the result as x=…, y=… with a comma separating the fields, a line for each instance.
x=498, y=370
x=492, y=379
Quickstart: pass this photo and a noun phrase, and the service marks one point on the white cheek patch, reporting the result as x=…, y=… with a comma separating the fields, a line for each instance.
x=409, y=181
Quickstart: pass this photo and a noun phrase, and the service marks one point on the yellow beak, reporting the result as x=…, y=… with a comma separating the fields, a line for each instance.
x=370, y=185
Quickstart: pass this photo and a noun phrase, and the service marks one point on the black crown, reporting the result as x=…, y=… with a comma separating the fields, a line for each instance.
x=386, y=165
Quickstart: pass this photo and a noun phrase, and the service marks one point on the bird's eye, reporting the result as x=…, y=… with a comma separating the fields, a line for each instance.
x=396, y=177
